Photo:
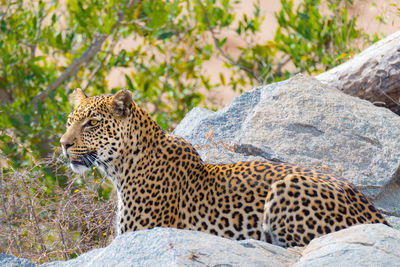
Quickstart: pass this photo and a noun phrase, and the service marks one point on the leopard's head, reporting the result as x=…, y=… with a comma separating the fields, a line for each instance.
x=96, y=129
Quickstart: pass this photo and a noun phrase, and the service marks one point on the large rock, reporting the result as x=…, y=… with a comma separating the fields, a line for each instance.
x=362, y=245
x=12, y=261
x=173, y=247
x=305, y=122
x=373, y=74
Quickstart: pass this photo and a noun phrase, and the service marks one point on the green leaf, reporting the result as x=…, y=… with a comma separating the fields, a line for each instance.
x=165, y=35
x=158, y=15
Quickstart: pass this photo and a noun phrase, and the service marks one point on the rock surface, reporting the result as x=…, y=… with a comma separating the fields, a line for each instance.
x=305, y=122
x=12, y=261
x=362, y=245
x=173, y=247
x=374, y=74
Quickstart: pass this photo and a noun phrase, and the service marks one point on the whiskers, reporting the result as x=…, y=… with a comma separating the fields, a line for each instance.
x=106, y=166
x=88, y=159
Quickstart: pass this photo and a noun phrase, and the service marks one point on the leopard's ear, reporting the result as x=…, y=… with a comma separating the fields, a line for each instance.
x=120, y=103
x=77, y=96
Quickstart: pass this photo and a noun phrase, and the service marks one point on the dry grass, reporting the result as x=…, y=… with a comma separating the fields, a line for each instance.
x=45, y=224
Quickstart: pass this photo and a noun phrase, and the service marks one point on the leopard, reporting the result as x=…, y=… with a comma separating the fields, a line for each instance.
x=161, y=181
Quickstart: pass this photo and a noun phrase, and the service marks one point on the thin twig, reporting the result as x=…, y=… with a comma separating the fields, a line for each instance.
x=37, y=36
x=8, y=222
x=157, y=109
x=20, y=243
x=37, y=228
x=6, y=11
x=388, y=96
x=278, y=71
x=101, y=64
x=139, y=24
x=63, y=241
x=219, y=48
x=390, y=213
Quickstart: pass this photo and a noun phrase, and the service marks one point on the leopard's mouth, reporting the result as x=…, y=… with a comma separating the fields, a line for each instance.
x=85, y=160
x=80, y=163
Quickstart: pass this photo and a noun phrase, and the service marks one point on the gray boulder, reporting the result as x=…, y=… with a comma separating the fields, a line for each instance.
x=305, y=122
x=373, y=74
x=361, y=245
x=174, y=247
x=12, y=261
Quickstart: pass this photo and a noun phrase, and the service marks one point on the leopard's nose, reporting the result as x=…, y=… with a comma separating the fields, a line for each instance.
x=66, y=145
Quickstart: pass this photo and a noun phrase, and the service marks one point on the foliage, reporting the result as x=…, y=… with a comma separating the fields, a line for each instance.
x=43, y=225
x=48, y=48
x=312, y=38
x=41, y=41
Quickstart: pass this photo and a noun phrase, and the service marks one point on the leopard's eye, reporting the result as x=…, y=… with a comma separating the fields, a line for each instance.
x=92, y=123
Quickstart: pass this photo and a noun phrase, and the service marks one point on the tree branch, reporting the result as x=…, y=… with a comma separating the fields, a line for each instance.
x=101, y=64
x=278, y=71
x=86, y=56
x=219, y=48
x=6, y=11
x=37, y=36
x=90, y=52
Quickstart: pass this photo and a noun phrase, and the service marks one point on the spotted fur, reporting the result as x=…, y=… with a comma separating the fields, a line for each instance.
x=162, y=181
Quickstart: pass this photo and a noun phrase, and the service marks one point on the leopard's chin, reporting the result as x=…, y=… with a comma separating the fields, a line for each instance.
x=78, y=167
x=83, y=162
